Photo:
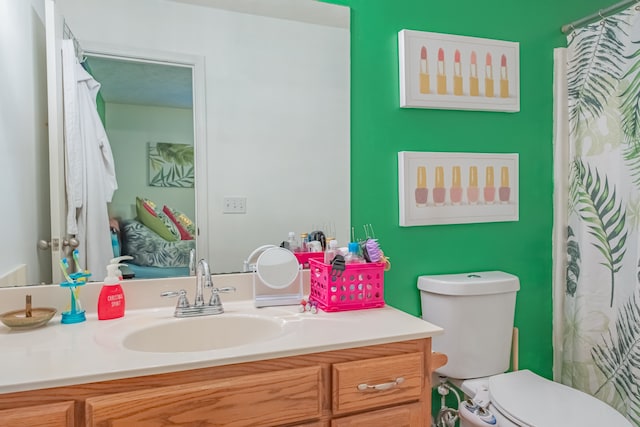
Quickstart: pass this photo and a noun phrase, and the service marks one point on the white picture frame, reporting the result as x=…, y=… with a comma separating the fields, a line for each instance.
x=457, y=188
x=453, y=72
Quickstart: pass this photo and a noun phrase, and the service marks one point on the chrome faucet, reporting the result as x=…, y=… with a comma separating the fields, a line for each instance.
x=203, y=279
x=192, y=262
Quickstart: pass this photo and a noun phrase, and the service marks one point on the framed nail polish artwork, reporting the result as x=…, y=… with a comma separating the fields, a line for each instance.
x=458, y=72
x=457, y=188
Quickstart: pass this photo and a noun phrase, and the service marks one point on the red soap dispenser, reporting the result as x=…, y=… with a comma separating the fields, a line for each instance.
x=111, y=299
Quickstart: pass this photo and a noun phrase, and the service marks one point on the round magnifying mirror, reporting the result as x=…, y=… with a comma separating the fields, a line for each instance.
x=277, y=267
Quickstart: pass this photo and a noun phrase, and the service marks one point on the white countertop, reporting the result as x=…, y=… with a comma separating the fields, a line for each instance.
x=58, y=355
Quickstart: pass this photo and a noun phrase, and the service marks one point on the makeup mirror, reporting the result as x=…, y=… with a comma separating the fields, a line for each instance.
x=277, y=268
x=277, y=279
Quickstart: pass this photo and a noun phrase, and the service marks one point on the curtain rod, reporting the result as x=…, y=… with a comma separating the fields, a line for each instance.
x=68, y=34
x=597, y=15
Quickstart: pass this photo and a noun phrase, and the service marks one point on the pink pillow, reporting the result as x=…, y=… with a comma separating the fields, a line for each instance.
x=145, y=204
x=184, y=234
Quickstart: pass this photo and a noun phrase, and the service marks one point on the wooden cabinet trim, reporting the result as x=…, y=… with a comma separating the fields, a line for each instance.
x=51, y=415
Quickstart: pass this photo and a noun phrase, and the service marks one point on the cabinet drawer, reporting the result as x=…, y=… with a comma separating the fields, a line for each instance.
x=52, y=415
x=409, y=415
x=267, y=399
x=377, y=382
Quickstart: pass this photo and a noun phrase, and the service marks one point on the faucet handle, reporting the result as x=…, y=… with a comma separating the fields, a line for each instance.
x=224, y=290
x=215, y=295
x=183, y=302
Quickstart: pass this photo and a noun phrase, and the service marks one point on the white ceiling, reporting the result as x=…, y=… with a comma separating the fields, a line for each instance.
x=312, y=11
x=128, y=82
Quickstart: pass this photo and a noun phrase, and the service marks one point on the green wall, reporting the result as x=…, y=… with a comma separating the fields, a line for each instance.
x=380, y=129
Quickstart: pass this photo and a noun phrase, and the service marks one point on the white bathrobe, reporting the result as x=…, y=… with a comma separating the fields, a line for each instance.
x=89, y=167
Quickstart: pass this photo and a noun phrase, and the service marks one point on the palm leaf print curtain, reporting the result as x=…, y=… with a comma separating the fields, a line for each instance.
x=601, y=304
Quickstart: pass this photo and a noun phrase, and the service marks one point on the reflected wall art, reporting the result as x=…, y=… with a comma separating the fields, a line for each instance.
x=456, y=188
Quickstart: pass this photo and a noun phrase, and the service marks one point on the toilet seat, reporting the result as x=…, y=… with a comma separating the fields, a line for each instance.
x=528, y=399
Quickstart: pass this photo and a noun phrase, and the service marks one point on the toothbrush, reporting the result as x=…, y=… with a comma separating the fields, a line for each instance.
x=76, y=259
x=64, y=265
x=82, y=273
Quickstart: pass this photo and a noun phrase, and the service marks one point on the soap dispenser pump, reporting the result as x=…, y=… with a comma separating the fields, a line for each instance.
x=111, y=299
x=118, y=261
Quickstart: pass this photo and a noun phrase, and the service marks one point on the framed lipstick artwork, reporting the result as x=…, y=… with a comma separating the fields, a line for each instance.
x=458, y=72
x=457, y=188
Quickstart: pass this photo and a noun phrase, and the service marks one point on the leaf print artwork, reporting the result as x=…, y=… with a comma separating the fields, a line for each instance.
x=171, y=165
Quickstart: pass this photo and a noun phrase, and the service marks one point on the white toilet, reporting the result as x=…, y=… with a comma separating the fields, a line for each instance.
x=476, y=311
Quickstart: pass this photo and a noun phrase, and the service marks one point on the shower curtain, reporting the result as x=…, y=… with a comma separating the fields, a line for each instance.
x=597, y=212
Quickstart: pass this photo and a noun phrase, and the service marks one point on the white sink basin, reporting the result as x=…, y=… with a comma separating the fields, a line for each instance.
x=204, y=333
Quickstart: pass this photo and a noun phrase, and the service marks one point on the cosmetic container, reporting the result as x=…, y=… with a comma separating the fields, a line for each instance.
x=331, y=251
x=292, y=242
x=353, y=257
x=304, y=240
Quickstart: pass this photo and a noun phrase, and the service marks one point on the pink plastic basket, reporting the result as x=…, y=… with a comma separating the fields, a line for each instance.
x=304, y=257
x=359, y=286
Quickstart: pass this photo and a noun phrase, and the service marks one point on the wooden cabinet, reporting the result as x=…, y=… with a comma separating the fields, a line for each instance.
x=381, y=385
x=270, y=399
x=398, y=416
x=53, y=415
x=372, y=383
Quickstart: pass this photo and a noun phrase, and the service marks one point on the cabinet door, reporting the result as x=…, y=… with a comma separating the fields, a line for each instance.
x=268, y=399
x=400, y=416
x=314, y=424
x=372, y=383
x=52, y=415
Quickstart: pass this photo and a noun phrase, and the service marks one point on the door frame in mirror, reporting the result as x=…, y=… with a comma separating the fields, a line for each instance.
x=197, y=64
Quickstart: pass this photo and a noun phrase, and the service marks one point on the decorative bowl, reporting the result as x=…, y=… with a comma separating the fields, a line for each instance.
x=17, y=319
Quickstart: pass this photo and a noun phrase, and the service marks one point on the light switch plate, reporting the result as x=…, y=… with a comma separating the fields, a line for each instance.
x=234, y=205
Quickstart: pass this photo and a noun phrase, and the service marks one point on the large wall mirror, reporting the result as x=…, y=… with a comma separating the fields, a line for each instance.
x=269, y=118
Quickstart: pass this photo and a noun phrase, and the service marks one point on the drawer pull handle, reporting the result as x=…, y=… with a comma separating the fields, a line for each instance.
x=381, y=387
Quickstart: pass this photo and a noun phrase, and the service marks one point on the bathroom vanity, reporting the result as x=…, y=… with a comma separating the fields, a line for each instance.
x=317, y=389
x=366, y=367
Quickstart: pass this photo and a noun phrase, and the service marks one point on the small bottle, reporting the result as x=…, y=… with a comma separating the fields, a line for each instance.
x=303, y=242
x=292, y=242
x=331, y=251
x=353, y=257
x=111, y=298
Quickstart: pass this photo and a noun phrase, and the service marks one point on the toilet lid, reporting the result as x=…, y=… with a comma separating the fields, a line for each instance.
x=531, y=400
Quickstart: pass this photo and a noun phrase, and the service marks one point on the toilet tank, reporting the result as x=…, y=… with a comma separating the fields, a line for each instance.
x=476, y=311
